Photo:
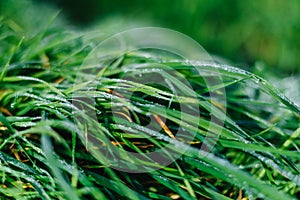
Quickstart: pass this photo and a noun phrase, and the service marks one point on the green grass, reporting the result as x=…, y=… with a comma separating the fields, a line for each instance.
x=242, y=31
x=52, y=148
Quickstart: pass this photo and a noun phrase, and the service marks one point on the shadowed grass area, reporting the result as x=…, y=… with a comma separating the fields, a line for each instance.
x=51, y=148
x=242, y=31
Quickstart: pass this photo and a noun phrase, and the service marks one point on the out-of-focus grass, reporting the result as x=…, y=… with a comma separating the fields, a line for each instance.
x=243, y=31
x=45, y=152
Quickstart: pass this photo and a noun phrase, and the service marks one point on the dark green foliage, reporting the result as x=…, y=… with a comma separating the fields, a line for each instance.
x=46, y=153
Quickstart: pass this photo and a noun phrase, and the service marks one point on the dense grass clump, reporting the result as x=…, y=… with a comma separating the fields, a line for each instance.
x=52, y=148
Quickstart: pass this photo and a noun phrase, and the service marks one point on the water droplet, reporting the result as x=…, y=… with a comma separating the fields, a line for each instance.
x=257, y=80
x=13, y=105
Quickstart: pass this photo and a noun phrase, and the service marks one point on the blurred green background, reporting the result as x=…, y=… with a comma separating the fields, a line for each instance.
x=265, y=31
x=242, y=31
